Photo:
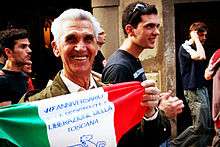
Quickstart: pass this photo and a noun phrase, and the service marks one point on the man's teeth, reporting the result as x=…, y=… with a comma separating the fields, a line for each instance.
x=80, y=58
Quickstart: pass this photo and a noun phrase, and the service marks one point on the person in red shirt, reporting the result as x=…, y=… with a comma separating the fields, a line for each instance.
x=213, y=72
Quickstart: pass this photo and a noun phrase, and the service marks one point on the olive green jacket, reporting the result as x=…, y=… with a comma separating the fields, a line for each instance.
x=55, y=89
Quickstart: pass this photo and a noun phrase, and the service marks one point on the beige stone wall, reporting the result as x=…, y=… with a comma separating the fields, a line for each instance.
x=106, y=11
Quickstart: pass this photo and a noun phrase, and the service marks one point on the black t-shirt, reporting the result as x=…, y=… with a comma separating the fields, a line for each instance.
x=192, y=71
x=123, y=67
x=1, y=65
x=12, y=86
x=98, y=64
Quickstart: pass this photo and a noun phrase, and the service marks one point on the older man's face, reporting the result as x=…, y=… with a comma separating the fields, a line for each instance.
x=77, y=47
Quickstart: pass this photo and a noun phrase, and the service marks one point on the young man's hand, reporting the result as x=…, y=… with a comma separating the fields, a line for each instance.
x=151, y=97
x=170, y=105
x=194, y=35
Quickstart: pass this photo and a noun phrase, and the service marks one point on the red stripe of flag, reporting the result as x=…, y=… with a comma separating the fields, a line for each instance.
x=128, y=111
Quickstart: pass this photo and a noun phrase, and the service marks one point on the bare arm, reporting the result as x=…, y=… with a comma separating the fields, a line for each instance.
x=199, y=53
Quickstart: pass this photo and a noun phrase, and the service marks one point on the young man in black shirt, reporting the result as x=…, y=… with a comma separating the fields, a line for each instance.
x=13, y=81
x=140, y=23
x=192, y=59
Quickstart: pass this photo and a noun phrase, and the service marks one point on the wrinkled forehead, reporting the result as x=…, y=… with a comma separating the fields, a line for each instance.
x=69, y=26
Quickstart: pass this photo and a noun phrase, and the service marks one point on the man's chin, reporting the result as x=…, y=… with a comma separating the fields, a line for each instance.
x=28, y=62
x=82, y=71
x=150, y=47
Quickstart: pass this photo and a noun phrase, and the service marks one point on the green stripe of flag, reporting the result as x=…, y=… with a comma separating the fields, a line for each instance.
x=21, y=125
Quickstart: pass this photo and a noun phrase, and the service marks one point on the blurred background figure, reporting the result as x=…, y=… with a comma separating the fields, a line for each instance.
x=100, y=61
x=2, y=57
x=213, y=72
x=192, y=60
x=27, y=68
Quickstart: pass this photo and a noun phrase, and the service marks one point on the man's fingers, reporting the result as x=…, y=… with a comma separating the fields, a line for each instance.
x=165, y=95
x=175, y=101
x=152, y=91
x=150, y=100
x=150, y=103
x=148, y=83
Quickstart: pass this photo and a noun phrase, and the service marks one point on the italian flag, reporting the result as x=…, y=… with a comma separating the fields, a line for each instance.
x=97, y=117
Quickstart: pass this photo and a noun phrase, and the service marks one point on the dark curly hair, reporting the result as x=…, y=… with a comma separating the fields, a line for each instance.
x=9, y=36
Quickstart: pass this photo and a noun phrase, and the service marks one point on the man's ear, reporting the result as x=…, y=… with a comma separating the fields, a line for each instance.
x=8, y=52
x=129, y=29
x=55, y=48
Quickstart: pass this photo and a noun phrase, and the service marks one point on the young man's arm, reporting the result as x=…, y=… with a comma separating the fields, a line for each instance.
x=199, y=53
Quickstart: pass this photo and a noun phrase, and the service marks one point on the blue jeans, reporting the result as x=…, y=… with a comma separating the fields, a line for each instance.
x=216, y=139
x=166, y=143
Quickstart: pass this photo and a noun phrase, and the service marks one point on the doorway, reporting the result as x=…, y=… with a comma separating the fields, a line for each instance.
x=185, y=14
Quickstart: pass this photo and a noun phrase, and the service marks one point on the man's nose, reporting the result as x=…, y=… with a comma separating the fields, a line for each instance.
x=80, y=46
x=29, y=50
x=157, y=31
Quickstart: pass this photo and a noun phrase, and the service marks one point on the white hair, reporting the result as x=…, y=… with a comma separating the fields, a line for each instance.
x=72, y=14
x=98, y=27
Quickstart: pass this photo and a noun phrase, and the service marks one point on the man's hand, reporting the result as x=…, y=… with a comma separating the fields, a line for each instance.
x=199, y=53
x=6, y=103
x=194, y=35
x=151, y=97
x=170, y=105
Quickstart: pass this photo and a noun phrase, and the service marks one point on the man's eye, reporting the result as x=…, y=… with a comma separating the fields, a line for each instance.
x=153, y=26
x=89, y=39
x=150, y=26
x=70, y=39
x=23, y=46
x=158, y=26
